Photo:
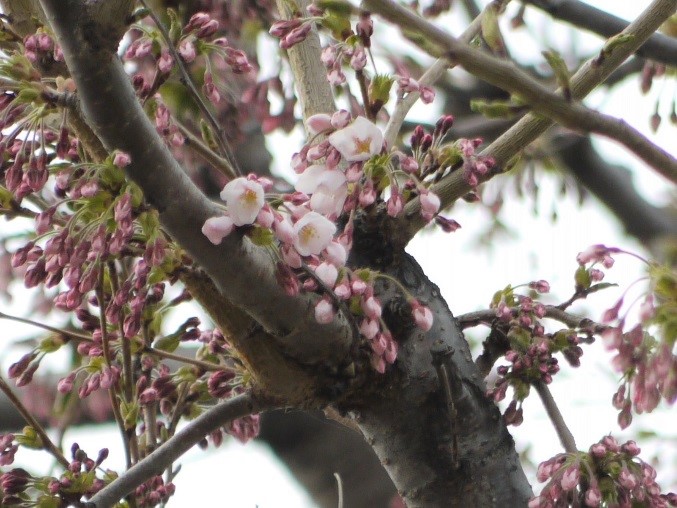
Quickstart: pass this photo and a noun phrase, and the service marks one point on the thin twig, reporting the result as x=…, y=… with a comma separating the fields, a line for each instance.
x=152, y=465
x=224, y=146
x=196, y=144
x=26, y=414
x=563, y=432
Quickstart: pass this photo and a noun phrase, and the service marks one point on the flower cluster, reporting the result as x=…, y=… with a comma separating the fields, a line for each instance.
x=648, y=364
x=608, y=475
x=336, y=176
x=41, y=49
x=196, y=38
x=78, y=479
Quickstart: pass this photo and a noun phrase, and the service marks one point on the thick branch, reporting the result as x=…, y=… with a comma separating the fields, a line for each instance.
x=531, y=126
x=155, y=463
x=111, y=108
x=658, y=47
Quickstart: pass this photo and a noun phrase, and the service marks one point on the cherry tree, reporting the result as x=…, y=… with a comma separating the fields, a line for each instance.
x=131, y=148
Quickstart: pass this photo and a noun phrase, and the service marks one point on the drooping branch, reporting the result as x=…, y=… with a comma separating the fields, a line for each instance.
x=531, y=126
x=112, y=109
x=155, y=463
x=542, y=101
x=658, y=47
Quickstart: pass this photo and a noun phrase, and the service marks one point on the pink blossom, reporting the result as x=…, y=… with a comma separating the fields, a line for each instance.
x=422, y=316
x=121, y=159
x=187, y=50
x=266, y=217
x=358, y=141
x=395, y=203
x=324, y=311
x=340, y=119
x=217, y=228
x=427, y=94
x=318, y=123
x=369, y=328
x=371, y=307
x=327, y=187
x=313, y=232
x=358, y=286
x=342, y=290
x=283, y=229
x=291, y=257
x=327, y=273
x=336, y=253
x=244, y=199
x=540, y=286
x=430, y=204
x=570, y=478
x=359, y=59
x=593, y=497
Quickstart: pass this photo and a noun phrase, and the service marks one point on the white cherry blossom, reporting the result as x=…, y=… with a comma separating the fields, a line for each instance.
x=313, y=232
x=328, y=189
x=244, y=199
x=358, y=141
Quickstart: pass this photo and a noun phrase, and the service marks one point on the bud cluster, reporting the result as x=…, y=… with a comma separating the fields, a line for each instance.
x=530, y=349
x=608, y=475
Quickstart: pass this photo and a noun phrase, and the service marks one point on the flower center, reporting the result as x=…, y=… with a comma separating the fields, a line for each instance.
x=307, y=233
x=362, y=145
x=248, y=197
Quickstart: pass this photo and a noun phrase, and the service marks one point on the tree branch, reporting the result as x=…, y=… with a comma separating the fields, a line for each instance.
x=111, y=108
x=658, y=47
x=563, y=432
x=507, y=76
x=531, y=126
x=431, y=76
x=172, y=449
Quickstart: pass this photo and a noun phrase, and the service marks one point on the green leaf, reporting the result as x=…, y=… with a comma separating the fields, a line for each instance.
x=559, y=67
x=168, y=343
x=263, y=237
x=582, y=278
x=491, y=32
x=379, y=89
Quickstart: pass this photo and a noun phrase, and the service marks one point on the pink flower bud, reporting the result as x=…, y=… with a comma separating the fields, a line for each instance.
x=324, y=311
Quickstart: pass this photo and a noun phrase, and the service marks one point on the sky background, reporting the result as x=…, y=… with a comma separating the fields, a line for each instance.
x=468, y=275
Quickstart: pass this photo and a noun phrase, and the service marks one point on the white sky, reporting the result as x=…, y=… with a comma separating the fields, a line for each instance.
x=249, y=476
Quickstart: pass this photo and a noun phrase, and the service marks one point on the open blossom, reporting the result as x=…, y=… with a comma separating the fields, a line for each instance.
x=244, y=199
x=327, y=187
x=313, y=232
x=358, y=141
